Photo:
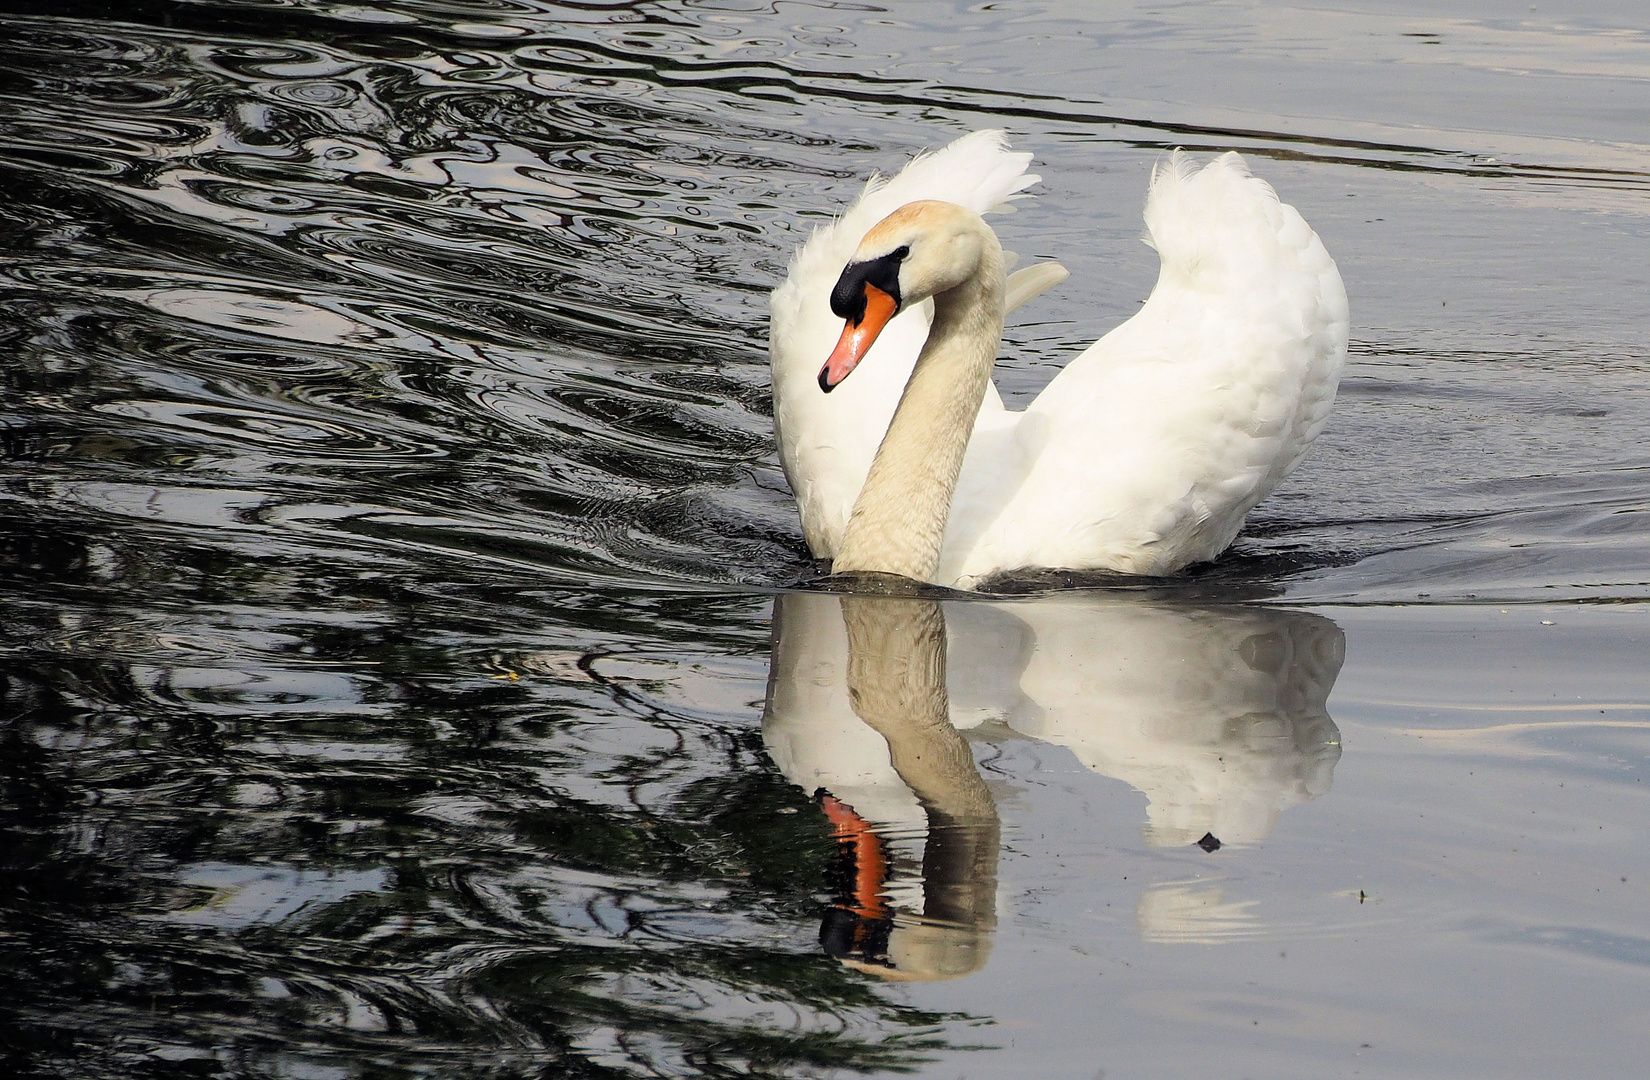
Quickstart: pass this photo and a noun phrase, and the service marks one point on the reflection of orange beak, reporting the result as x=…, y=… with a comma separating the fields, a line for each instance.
x=857, y=337
x=855, y=837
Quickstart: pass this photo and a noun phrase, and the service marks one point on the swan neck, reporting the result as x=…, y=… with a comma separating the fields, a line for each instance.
x=898, y=521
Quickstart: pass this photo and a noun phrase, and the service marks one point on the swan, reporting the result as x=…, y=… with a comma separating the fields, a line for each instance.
x=1142, y=456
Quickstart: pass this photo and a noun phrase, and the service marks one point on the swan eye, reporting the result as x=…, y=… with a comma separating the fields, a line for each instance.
x=900, y=252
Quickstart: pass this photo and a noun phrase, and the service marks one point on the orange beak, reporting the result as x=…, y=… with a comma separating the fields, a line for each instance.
x=857, y=337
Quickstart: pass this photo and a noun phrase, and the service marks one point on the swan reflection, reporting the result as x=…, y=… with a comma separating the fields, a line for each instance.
x=1216, y=713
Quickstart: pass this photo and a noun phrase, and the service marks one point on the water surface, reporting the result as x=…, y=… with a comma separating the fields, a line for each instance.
x=398, y=588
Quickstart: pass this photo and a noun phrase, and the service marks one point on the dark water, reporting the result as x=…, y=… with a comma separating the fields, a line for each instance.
x=389, y=534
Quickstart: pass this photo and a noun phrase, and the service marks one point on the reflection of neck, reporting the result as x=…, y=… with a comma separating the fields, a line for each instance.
x=896, y=684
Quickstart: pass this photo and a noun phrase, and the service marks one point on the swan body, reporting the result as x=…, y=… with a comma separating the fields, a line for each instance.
x=1142, y=456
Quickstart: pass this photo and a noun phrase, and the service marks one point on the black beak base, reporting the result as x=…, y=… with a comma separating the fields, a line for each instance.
x=848, y=298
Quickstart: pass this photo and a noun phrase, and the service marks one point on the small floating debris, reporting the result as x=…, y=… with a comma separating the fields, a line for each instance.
x=1209, y=843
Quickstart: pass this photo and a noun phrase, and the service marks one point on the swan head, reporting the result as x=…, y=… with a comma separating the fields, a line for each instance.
x=920, y=250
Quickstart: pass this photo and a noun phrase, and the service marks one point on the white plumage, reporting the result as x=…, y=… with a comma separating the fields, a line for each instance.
x=1147, y=451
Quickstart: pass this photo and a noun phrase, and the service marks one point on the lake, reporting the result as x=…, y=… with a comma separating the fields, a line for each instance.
x=411, y=664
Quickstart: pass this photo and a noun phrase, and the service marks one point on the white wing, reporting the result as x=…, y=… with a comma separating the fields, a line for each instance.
x=1146, y=452
x=826, y=443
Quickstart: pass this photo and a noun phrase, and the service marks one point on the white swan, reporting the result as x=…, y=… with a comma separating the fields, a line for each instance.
x=1142, y=456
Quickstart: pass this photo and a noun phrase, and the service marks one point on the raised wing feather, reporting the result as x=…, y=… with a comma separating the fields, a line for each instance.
x=826, y=443
x=1146, y=452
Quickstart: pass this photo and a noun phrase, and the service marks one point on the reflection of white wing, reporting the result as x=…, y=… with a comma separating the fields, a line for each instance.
x=810, y=728
x=1215, y=712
